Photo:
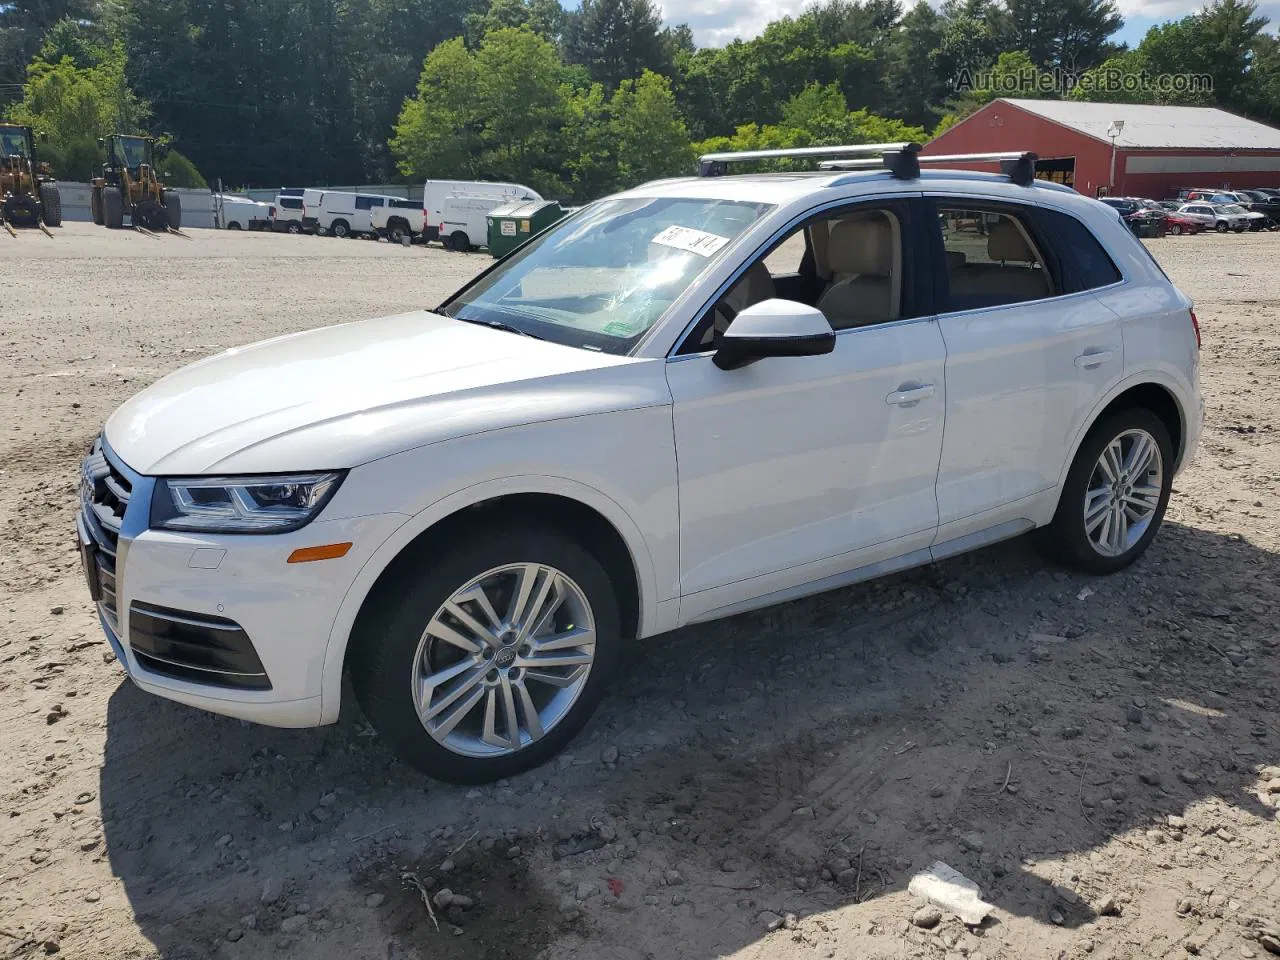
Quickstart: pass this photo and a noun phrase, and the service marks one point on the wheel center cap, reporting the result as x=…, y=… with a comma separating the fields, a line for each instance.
x=505, y=657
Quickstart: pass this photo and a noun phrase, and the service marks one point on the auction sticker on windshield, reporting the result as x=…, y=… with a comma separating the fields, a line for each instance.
x=695, y=241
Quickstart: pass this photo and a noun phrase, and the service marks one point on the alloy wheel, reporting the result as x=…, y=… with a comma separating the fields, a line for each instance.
x=503, y=660
x=1123, y=493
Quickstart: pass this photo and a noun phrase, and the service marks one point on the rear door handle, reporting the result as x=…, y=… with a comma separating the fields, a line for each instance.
x=1094, y=358
x=907, y=396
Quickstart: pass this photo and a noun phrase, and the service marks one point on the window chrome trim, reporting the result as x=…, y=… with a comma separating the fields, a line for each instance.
x=888, y=324
x=778, y=234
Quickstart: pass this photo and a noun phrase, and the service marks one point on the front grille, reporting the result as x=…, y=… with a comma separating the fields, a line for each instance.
x=195, y=647
x=104, y=496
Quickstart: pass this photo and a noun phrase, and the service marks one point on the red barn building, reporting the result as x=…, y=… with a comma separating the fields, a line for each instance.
x=1122, y=149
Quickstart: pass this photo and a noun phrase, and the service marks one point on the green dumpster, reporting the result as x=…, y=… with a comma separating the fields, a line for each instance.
x=513, y=223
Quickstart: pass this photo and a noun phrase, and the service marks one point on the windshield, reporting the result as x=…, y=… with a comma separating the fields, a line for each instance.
x=1233, y=208
x=133, y=151
x=602, y=278
x=13, y=143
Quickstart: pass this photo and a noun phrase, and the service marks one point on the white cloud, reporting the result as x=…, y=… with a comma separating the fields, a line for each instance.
x=717, y=22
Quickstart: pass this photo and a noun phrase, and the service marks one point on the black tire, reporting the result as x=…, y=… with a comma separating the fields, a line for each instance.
x=385, y=645
x=340, y=229
x=1065, y=538
x=459, y=241
x=396, y=231
x=1174, y=230
x=173, y=206
x=1222, y=226
x=112, y=208
x=293, y=227
x=95, y=205
x=50, y=205
x=234, y=225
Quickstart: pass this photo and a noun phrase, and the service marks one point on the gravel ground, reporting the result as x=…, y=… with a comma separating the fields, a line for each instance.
x=1099, y=755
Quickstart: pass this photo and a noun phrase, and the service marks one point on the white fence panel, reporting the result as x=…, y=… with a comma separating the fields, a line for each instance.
x=197, y=205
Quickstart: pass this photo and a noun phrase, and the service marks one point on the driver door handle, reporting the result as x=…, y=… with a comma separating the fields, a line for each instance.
x=908, y=395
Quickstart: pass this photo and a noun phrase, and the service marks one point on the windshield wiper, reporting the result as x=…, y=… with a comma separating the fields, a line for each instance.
x=499, y=325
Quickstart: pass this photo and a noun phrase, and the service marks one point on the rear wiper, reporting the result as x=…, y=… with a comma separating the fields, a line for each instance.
x=499, y=325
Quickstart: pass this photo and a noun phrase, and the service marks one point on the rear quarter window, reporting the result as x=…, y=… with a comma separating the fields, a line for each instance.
x=1086, y=264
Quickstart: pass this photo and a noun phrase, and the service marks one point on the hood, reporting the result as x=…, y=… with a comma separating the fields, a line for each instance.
x=340, y=396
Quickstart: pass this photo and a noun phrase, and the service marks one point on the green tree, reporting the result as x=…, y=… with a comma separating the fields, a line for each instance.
x=73, y=106
x=617, y=39
x=23, y=25
x=1070, y=34
x=497, y=112
x=651, y=139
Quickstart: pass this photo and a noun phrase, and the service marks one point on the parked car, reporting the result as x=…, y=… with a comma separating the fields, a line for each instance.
x=1176, y=224
x=1254, y=220
x=1214, y=217
x=397, y=219
x=286, y=211
x=1143, y=220
x=457, y=210
x=695, y=398
x=240, y=213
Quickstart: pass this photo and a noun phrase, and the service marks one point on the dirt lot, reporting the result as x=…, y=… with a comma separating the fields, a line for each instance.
x=1093, y=752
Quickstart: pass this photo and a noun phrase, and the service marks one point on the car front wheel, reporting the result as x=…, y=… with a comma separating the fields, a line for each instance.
x=1115, y=496
x=491, y=657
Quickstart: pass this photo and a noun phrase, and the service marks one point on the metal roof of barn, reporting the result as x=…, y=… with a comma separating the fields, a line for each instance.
x=1152, y=127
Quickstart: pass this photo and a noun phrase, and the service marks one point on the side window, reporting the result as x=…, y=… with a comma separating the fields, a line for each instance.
x=991, y=259
x=364, y=203
x=1086, y=265
x=856, y=274
x=786, y=257
x=291, y=203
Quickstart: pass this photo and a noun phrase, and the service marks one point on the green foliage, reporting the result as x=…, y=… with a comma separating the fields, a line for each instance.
x=649, y=135
x=178, y=171
x=75, y=105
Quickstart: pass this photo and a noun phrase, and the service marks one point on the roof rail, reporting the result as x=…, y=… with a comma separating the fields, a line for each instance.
x=891, y=156
x=1018, y=166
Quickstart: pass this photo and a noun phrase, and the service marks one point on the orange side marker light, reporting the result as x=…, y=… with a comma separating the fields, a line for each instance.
x=330, y=551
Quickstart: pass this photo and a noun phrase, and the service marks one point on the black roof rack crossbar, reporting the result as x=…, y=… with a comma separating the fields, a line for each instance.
x=1020, y=167
x=717, y=164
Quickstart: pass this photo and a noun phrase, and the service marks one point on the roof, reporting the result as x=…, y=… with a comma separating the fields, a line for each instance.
x=1148, y=127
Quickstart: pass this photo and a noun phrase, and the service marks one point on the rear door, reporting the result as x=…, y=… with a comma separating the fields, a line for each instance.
x=1030, y=349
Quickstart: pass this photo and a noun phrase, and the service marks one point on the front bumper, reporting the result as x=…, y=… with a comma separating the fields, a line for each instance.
x=221, y=622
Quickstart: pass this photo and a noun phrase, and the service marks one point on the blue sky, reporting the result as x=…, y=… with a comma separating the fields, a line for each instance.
x=716, y=22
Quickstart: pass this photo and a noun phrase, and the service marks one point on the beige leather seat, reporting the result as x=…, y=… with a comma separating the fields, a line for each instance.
x=1019, y=277
x=860, y=254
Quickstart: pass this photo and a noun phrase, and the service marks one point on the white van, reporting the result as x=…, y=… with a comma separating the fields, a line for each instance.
x=240, y=213
x=343, y=214
x=456, y=209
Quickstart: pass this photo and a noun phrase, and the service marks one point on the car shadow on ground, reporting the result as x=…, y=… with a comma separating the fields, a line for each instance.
x=990, y=712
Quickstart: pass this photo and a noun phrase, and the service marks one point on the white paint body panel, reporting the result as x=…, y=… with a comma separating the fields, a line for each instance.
x=730, y=489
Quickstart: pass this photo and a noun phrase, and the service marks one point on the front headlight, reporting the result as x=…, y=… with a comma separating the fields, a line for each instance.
x=271, y=504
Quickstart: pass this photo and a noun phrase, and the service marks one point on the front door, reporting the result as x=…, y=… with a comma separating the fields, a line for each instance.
x=794, y=469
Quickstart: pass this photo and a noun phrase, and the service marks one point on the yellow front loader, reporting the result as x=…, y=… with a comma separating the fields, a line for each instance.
x=129, y=186
x=29, y=194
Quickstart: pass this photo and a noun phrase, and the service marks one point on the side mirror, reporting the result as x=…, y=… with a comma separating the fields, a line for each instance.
x=774, y=328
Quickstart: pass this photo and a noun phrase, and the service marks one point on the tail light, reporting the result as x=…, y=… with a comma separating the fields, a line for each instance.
x=424, y=216
x=1195, y=325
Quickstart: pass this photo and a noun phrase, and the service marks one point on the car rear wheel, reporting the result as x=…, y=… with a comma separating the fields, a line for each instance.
x=488, y=660
x=293, y=227
x=1174, y=229
x=1115, y=496
x=340, y=229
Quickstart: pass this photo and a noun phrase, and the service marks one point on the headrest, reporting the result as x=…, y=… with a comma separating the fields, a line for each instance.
x=863, y=247
x=1007, y=243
